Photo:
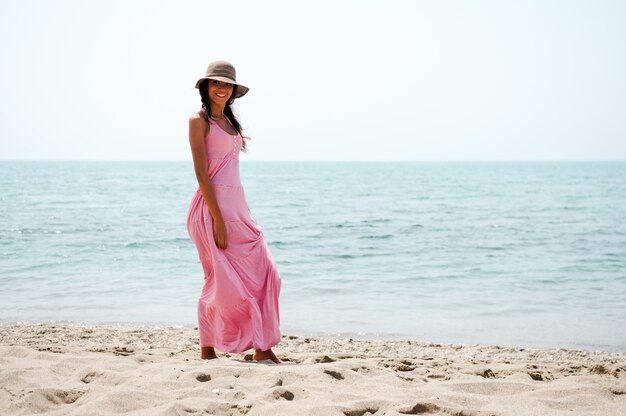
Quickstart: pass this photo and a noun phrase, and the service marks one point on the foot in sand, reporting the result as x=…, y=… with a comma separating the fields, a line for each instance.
x=207, y=353
x=265, y=355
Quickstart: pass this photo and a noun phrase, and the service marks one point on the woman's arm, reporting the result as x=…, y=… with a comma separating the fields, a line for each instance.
x=197, y=130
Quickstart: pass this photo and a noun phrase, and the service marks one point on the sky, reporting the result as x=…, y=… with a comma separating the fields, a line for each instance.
x=329, y=80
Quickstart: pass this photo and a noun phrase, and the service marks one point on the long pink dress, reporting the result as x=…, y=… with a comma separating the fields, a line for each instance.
x=238, y=306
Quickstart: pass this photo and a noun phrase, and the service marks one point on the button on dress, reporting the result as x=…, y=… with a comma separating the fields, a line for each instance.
x=238, y=306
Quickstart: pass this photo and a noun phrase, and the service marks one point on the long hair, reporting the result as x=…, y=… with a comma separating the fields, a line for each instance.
x=228, y=111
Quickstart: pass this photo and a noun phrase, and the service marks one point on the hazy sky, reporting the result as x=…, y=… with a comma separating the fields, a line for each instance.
x=330, y=80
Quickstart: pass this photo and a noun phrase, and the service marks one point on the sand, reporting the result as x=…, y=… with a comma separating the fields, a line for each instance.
x=111, y=370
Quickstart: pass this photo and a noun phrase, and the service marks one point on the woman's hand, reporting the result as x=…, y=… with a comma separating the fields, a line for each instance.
x=219, y=233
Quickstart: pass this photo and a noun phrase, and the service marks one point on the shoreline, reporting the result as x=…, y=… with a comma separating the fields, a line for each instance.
x=152, y=370
x=332, y=335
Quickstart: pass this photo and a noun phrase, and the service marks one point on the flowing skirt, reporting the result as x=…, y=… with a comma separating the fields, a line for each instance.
x=238, y=306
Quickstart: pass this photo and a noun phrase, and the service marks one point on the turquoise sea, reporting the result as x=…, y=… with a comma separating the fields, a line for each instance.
x=529, y=254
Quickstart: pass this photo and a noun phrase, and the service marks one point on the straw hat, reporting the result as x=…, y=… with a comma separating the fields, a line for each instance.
x=225, y=72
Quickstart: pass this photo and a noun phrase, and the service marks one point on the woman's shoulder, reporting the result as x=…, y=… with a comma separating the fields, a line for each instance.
x=197, y=120
x=198, y=126
x=196, y=117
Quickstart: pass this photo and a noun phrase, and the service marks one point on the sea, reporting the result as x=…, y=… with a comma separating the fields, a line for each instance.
x=523, y=254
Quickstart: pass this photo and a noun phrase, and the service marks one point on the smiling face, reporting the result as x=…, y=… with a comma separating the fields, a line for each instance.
x=220, y=92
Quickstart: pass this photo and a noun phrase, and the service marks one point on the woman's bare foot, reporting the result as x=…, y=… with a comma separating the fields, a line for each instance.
x=265, y=355
x=207, y=353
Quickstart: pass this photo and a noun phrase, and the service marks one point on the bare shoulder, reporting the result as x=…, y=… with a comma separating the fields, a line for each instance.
x=197, y=118
x=197, y=125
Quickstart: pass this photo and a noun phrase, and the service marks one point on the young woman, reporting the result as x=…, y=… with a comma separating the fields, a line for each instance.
x=238, y=306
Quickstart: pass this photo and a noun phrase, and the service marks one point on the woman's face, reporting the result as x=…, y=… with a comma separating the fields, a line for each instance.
x=220, y=92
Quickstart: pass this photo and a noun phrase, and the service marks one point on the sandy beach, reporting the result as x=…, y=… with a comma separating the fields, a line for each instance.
x=110, y=370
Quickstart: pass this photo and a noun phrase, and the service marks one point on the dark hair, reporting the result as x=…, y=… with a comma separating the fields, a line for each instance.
x=228, y=111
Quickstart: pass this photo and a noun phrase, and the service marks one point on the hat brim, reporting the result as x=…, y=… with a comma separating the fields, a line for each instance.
x=241, y=89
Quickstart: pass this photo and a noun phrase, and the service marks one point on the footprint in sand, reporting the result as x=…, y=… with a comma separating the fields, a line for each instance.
x=90, y=376
x=282, y=393
x=202, y=377
x=334, y=374
x=124, y=351
x=43, y=400
x=360, y=412
x=420, y=408
x=362, y=369
x=488, y=373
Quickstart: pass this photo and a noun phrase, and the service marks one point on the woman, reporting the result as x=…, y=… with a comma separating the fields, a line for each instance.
x=238, y=306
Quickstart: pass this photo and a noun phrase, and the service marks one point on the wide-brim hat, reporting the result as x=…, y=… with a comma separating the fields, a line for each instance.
x=225, y=72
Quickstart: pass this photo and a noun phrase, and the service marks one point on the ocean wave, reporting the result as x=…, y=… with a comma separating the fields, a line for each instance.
x=377, y=237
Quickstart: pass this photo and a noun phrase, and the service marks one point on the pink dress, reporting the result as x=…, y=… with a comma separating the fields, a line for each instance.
x=238, y=306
